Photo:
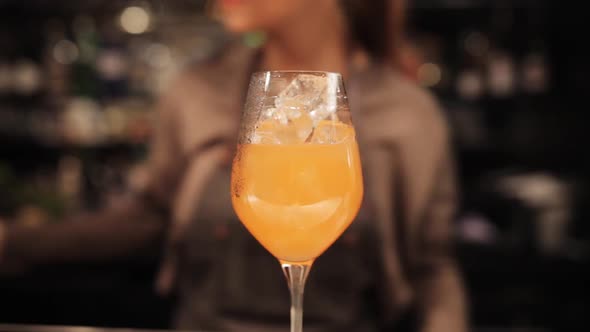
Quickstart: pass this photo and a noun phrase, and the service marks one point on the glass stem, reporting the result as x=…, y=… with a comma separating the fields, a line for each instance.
x=296, y=275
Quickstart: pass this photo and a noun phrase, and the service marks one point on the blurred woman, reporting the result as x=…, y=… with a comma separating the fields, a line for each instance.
x=393, y=265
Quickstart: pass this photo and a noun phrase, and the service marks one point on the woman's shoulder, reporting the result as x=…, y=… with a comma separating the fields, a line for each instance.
x=217, y=72
x=400, y=102
x=407, y=95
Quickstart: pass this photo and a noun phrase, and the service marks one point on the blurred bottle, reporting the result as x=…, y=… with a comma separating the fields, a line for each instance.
x=113, y=72
x=58, y=54
x=501, y=76
x=69, y=181
x=534, y=70
x=472, y=54
x=468, y=90
x=27, y=79
x=85, y=80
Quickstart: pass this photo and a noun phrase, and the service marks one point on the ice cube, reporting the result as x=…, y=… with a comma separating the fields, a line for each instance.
x=323, y=135
x=305, y=89
x=280, y=129
x=309, y=93
x=297, y=110
x=331, y=132
x=297, y=130
x=265, y=137
x=280, y=116
x=265, y=132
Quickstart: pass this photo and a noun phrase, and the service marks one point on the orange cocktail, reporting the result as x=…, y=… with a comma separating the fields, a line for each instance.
x=296, y=177
x=297, y=199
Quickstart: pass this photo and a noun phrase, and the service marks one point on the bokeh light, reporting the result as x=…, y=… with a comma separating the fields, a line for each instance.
x=135, y=20
x=429, y=74
x=27, y=77
x=65, y=52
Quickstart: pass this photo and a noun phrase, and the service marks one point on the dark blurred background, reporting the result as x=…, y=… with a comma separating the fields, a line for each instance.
x=77, y=85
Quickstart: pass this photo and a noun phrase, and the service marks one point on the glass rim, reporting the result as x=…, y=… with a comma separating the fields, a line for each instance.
x=298, y=72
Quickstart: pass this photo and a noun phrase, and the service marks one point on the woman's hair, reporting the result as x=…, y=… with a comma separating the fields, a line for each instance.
x=375, y=25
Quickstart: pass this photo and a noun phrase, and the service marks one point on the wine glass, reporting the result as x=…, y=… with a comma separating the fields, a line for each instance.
x=296, y=177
